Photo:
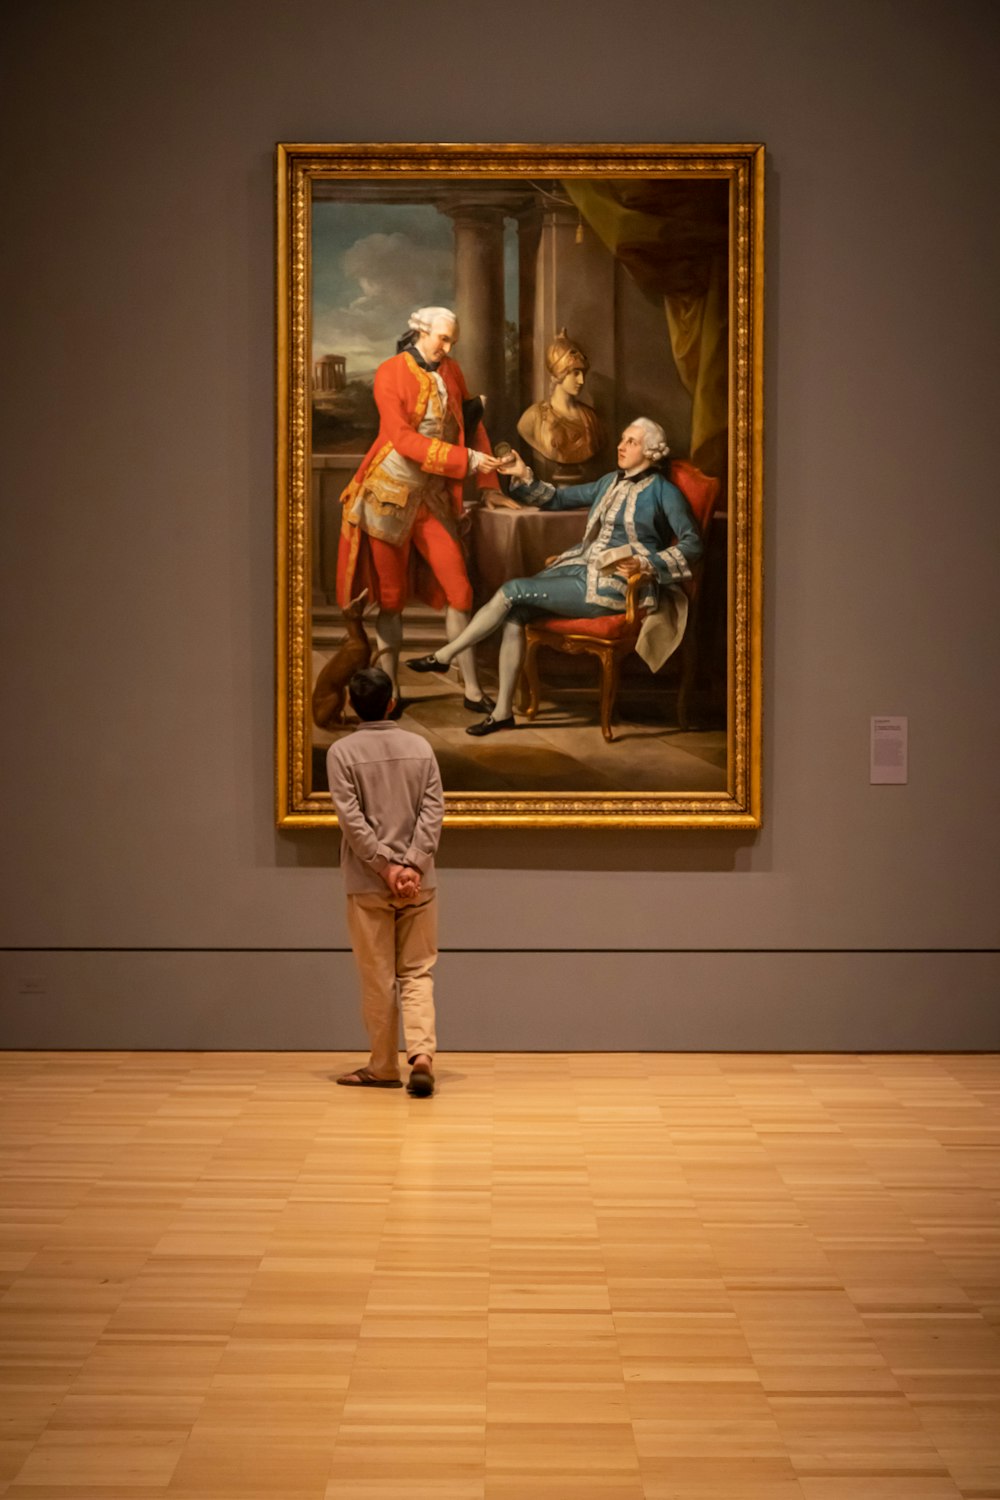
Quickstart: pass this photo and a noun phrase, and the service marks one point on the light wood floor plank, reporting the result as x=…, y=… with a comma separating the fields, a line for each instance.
x=624, y=1277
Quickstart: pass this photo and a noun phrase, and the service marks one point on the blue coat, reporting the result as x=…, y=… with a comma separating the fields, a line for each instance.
x=645, y=517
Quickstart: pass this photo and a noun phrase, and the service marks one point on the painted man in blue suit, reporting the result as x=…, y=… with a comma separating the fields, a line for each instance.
x=638, y=523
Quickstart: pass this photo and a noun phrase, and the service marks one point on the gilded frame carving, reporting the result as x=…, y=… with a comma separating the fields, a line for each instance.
x=735, y=802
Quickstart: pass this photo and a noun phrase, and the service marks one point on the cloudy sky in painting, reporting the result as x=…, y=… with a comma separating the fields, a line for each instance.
x=372, y=265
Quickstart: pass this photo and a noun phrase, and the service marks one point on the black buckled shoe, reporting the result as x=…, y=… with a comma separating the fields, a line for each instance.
x=491, y=725
x=481, y=705
x=426, y=664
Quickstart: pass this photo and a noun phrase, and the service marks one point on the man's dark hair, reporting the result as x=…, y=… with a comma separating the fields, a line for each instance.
x=370, y=692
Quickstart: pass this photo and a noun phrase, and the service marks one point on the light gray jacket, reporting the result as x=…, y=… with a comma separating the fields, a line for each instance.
x=386, y=789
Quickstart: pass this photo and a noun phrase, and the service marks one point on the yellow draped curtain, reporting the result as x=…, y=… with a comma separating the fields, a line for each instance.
x=695, y=301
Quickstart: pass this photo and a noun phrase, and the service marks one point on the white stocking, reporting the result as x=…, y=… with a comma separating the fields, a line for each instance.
x=482, y=624
x=389, y=639
x=455, y=622
x=511, y=660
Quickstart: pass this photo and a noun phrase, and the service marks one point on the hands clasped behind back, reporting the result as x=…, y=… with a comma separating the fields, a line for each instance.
x=403, y=881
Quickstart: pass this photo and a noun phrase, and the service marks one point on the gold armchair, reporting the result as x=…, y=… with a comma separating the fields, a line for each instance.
x=609, y=638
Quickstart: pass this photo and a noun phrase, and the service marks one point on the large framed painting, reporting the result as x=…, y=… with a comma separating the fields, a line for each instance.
x=519, y=440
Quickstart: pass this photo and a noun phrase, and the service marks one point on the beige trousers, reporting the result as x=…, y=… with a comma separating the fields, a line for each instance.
x=395, y=944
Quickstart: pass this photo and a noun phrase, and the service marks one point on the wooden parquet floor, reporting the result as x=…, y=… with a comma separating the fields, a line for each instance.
x=625, y=1277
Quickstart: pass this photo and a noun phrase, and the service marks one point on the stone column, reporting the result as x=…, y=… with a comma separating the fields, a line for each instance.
x=529, y=229
x=575, y=289
x=479, y=303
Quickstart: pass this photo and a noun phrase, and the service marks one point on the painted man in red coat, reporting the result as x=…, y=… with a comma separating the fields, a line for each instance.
x=399, y=532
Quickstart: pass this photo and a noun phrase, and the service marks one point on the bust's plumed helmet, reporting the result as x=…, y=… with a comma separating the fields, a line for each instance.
x=563, y=355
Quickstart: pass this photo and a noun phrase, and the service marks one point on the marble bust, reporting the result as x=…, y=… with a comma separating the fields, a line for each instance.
x=563, y=429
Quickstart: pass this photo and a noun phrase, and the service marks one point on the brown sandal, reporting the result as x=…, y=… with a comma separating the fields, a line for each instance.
x=364, y=1078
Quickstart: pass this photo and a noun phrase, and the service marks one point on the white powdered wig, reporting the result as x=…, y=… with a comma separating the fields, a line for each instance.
x=423, y=320
x=654, y=436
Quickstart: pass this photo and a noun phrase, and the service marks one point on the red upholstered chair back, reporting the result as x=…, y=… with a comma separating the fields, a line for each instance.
x=700, y=491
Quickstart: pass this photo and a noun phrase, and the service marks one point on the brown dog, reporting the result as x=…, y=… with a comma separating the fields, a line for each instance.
x=330, y=693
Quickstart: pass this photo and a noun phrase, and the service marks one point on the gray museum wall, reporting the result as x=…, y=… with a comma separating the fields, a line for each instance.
x=148, y=899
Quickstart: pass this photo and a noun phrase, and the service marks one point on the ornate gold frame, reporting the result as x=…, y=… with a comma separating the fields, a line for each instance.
x=298, y=166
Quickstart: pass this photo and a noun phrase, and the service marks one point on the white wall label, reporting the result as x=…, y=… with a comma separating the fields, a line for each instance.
x=889, y=759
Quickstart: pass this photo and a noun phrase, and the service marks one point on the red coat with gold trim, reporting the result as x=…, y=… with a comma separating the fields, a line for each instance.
x=402, y=392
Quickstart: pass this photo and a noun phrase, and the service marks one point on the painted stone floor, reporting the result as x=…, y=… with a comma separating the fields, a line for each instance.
x=563, y=749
